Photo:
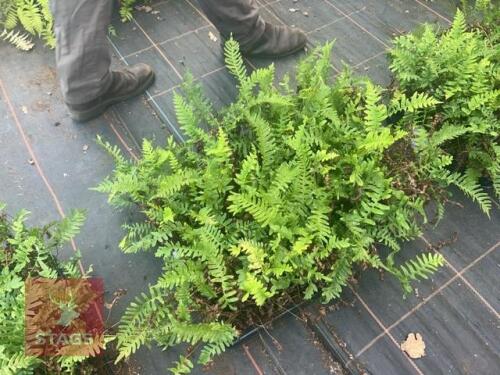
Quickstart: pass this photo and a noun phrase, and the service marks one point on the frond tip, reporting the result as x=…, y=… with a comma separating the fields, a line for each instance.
x=421, y=267
x=234, y=60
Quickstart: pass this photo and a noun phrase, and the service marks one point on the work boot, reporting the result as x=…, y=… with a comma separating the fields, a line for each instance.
x=277, y=41
x=125, y=84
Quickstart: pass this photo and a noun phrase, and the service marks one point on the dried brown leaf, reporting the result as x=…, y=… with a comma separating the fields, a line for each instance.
x=414, y=346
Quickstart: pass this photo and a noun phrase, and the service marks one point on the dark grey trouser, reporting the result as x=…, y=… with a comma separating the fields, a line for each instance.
x=82, y=54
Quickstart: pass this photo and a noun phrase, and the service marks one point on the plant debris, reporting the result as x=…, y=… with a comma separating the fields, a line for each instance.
x=144, y=8
x=212, y=37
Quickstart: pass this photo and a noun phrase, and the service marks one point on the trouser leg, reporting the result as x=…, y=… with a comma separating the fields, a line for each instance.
x=82, y=53
x=239, y=17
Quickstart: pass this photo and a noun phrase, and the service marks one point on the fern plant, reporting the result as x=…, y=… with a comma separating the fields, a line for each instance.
x=31, y=252
x=275, y=198
x=34, y=16
x=127, y=9
x=460, y=68
x=483, y=14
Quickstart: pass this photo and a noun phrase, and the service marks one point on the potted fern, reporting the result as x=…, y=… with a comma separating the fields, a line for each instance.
x=460, y=68
x=31, y=252
x=274, y=199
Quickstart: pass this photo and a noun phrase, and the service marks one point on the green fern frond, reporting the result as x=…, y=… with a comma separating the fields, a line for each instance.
x=126, y=10
x=421, y=267
x=234, y=60
x=11, y=18
x=182, y=366
x=30, y=16
x=188, y=120
x=69, y=227
x=469, y=185
x=375, y=113
x=447, y=133
x=255, y=288
x=416, y=102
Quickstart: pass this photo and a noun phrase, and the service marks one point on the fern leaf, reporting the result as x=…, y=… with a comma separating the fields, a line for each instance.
x=447, y=133
x=470, y=186
x=69, y=227
x=18, y=40
x=234, y=60
x=421, y=267
x=30, y=17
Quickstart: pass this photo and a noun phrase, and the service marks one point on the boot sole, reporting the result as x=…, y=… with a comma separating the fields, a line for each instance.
x=277, y=56
x=269, y=55
x=89, y=114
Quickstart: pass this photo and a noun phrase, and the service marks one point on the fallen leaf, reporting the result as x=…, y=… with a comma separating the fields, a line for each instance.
x=212, y=37
x=144, y=8
x=414, y=346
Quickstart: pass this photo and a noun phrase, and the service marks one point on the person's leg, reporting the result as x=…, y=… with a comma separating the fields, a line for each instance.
x=83, y=60
x=240, y=18
x=82, y=53
x=256, y=37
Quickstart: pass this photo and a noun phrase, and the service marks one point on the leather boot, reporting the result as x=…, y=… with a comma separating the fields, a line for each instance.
x=277, y=41
x=125, y=84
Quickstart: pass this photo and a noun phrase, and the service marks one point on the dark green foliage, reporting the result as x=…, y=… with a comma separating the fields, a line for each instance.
x=277, y=197
x=460, y=68
x=30, y=252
